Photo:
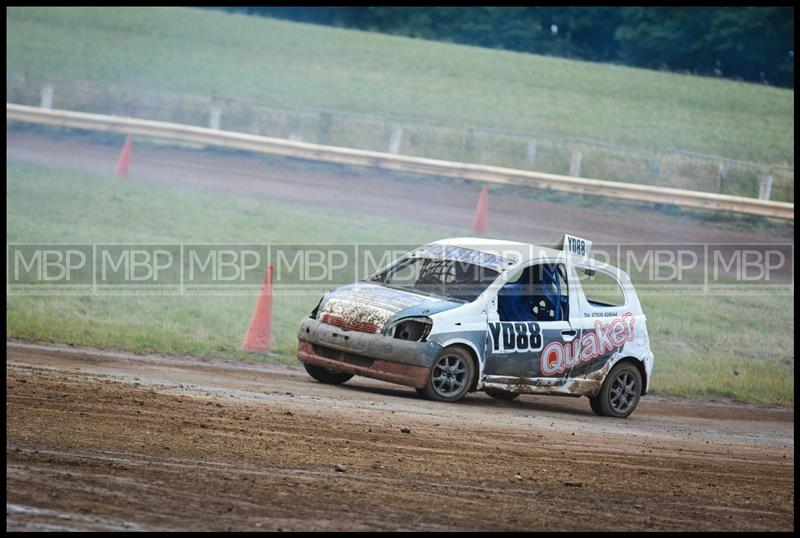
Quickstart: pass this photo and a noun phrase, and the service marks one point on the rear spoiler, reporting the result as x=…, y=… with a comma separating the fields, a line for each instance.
x=574, y=245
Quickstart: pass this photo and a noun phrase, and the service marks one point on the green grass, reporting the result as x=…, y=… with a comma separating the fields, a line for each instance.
x=733, y=346
x=48, y=206
x=739, y=347
x=207, y=52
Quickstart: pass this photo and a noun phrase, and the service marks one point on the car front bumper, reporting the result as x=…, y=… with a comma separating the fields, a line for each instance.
x=370, y=355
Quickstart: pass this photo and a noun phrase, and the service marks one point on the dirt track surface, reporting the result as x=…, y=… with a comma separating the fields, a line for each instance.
x=99, y=440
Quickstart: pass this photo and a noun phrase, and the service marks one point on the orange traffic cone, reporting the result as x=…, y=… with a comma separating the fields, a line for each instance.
x=259, y=334
x=124, y=158
x=481, y=212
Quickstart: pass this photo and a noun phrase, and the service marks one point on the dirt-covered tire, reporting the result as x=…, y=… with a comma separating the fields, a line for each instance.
x=504, y=395
x=620, y=393
x=451, y=375
x=323, y=375
x=594, y=403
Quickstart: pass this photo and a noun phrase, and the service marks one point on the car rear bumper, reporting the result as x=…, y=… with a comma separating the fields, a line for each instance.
x=370, y=355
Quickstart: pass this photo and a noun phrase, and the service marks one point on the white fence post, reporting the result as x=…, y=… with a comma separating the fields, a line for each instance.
x=575, y=164
x=655, y=166
x=47, y=96
x=396, y=140
x=720, y=176
x=765, y=187
x=215, y=117
x=294, y=129
x=532, y=152
x=469, y=142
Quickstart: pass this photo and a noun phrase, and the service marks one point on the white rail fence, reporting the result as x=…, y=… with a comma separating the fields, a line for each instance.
x=417, y=137
x=403, y=163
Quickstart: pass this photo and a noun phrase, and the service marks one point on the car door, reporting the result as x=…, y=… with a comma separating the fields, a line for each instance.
x=602, y=317
x=532, y=310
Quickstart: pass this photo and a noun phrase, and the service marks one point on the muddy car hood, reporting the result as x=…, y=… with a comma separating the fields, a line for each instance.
x=377, y=305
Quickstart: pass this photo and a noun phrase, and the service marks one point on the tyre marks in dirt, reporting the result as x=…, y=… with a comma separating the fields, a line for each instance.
x=90, y=447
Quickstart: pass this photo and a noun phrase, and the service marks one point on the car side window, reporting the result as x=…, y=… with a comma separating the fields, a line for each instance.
x=600, y=288
x=538, y=293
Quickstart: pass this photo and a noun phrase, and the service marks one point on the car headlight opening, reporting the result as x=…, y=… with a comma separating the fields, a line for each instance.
x=411, y=329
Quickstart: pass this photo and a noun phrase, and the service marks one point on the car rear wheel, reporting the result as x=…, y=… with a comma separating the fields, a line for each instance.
x=502, y=394
x=450, y=376
x=323, y=375
x=620, y=393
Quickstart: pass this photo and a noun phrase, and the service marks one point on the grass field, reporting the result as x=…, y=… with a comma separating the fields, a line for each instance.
x=207, y=52
x=702, y=347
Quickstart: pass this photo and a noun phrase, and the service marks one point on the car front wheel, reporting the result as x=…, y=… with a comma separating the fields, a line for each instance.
x=323, y=375
x=620, y=393
x=450, y=376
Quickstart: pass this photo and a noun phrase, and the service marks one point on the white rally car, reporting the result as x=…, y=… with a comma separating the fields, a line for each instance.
x=468, y=314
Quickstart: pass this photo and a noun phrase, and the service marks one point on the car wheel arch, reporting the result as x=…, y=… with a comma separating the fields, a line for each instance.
x=473, y=353
x=639, y=366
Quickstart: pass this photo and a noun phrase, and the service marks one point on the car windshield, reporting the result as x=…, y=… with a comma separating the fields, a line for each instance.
x=459, y=274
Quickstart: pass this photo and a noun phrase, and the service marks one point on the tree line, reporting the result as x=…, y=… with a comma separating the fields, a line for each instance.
x=747, y=43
